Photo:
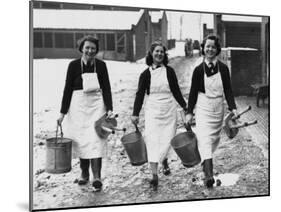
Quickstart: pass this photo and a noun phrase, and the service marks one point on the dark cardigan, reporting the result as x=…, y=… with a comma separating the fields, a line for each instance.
x=144, y=86
x=197, y=85
x=74, y=82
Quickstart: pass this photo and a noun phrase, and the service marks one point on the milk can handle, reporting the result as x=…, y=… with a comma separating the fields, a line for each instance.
x=61, y=133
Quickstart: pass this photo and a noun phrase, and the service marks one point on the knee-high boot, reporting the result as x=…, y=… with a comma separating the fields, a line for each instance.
x=96, y=164
x=84, y=165
x=208, y=171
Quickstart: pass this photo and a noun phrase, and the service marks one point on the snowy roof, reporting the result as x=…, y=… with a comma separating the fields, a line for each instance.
x=155, y=16
x=85, y=19
x=241, y=18
x=239, y=48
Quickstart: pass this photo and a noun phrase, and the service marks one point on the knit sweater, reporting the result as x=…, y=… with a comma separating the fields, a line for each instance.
x=144, y=87
x=198, y=85
x=74, y=82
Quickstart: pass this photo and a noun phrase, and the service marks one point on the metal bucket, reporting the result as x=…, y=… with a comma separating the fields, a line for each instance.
x=58, y=154
x=185, y=145
x=135, y=147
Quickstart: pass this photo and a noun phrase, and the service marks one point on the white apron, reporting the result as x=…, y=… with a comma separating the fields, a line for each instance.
x=85, y=108
x=209, y=116
x=160, y=116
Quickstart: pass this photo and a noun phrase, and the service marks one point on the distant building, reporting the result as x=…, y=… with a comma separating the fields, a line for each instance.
x=123, y=35
x=207, y=31
x=159, y=24
x=238, y=31
x=246, y=42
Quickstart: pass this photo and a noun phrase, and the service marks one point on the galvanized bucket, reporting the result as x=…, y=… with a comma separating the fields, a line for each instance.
x=58, y=154
x=135, y=147
x=185, y=145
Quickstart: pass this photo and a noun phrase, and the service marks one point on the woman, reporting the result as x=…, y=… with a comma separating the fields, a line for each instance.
x=160, y=83
x=210, y=83
x=86, y=97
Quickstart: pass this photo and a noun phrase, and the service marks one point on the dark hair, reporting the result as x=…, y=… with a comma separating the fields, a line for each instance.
x=90, y=39
x=214, y=38
x=149, y=58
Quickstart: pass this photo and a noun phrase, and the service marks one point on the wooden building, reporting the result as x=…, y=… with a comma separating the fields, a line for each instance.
x=246, y=44
x=159, y=29
x=207, y=31
x=123, y=35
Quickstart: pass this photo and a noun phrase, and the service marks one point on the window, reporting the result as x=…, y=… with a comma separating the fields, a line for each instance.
x=68, y=40
x=78, y=36
x=64, y=40
x=110, y=42
x=59, y=40
x=101, y=41
x=121, y=42
x=48, y=40
x=38, y=40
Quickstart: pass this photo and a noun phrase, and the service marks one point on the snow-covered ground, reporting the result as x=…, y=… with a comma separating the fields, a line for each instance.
x=124, y=183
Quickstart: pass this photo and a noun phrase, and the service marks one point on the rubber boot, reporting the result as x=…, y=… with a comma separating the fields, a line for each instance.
x=96, y=164
x=166, y=169
x=154, y=182
x=84, y=165
x=208, y=171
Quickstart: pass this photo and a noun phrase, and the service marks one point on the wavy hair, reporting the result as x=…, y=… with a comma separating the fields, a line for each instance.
x=217, y=43
x=149, y=58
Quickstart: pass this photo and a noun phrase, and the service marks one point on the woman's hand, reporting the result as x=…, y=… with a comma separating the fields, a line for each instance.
x=60, y=119
x=109, y=114
x=235, y=113
x=135, y=120
x=189, y=118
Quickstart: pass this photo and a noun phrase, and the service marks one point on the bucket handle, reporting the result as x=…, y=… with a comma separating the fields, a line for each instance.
x=136, y=126
x=61, y=133
x=242, y=112
x=187, y=126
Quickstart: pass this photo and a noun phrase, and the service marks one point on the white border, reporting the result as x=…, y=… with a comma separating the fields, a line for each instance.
x=15, y=104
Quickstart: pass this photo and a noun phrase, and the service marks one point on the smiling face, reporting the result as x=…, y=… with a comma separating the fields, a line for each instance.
x=210, y=49
x=158, y=55
x=89, y=50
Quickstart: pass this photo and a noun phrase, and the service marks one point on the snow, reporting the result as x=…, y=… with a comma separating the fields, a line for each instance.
x=177, y=51
x=240, y=48
x=155, y=16
x=227, y=179
x=241, y=18
x=85, y=19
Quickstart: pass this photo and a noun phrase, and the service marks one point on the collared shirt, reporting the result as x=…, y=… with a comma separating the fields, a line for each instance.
x=213, y=61
x=209, y=69
x=154, y=66
x=85, y=61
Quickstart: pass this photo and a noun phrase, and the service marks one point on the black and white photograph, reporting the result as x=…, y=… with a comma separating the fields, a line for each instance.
x=140, y=105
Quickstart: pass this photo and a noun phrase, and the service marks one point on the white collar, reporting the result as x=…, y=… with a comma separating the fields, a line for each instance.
x=214, y=61
x=153, y=66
